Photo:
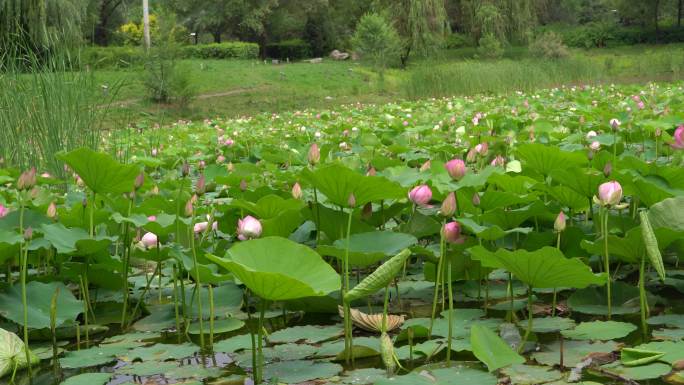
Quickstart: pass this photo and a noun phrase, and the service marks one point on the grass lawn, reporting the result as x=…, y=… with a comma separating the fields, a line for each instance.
x=233, y=88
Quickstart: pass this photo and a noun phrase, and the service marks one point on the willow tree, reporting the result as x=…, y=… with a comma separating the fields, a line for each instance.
x=507, y=20
x=422, y=25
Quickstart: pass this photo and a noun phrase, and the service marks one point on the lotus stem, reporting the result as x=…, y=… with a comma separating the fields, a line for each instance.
x=255, y=364
x=84, y=297
x=198, y=287
x=348, y=337
x=24, y=271
x=438, y=280
x=451, y=313
x=555, y=292
x=260, y=346
x=211, y=316
x=175, y=302
x=530, y=320
x=126, y=260
x=606, y=262
x=53, y=328
x=643, y=301
x=318, y=216
x=510, y=297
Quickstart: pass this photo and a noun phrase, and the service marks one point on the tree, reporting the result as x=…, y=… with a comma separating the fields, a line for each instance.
x=39, y=23
x=377, y=42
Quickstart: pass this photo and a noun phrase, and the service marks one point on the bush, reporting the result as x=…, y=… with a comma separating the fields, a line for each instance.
x=376, y=41
x=549, y=45
x=458, y=40
x=490, y=47
x=292, y=49
x=227, y=50
x=112, y=57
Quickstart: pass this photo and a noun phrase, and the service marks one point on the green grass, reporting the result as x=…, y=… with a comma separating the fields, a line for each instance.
x=234, y=88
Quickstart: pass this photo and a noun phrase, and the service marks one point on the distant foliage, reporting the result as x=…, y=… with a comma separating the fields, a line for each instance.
x=227, y=50
x=549, y=45
x=292, y=49
x=490, y=47
x=458, y=40
x=376, y=41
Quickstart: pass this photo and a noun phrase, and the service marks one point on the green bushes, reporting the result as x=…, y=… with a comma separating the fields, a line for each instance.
x=549, y=45
x=292, y=49
x=597, y=35
x=129, y=56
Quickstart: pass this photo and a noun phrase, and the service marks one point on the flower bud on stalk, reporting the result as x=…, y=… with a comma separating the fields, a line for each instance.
x=297, y=191
x=52, y=210
x=456, y=168
x=560, y=223
x=420, y=195
x=426, y=166
x=314, y=155
x=609, y=193
x=448, y=208
x=27, y=179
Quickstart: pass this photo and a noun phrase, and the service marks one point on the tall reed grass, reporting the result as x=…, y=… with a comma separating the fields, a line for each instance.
x=47, y=105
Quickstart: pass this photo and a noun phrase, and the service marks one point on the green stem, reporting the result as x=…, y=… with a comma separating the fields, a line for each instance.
x=24, y=272
x=198, y=287
x=175, y=302
x=606, y=262
x=530, y=320
x=84, y=297
x=438, y=279
x=126, y=259
x=451, y=313
x=555, y=292
x=260, y=347
x=211, y=316
x=318, y=216
x=642, y=298
x=349, y=344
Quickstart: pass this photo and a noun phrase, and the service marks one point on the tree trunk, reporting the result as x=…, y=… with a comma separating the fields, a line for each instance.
x=146, y=24
x=217, y=36
x=655, y=14
x=679, y=14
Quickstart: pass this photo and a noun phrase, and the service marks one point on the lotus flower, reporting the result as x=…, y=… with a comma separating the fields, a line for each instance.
x=149, y=240
x=610, y=193
x=152, y=218
x=51, y=211
x=498, y=161
x=679, y=138
x=27, y=179
x=3, y=211
x=201, y=227
x=456, y=168
x=595, y=146
x=314, y=154
x=482, y=148
x=420, y=195
x=248, y=228
x=297, y=191
x=220, y=159
x=452, y=232
x=591, y=134
x=559, y=223
x=229, y=142
x=449, y=205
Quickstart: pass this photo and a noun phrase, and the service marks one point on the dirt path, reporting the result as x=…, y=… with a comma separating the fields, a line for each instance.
x=237, y=91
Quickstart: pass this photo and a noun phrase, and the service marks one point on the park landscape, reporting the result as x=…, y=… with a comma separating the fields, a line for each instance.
x=483, y=202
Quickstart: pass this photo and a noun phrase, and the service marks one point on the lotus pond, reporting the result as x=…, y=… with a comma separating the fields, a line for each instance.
x=518, y=239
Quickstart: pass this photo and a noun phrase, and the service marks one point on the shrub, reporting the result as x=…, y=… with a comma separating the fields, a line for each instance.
x=490, y=47
x=376, y=41
x=227, y=50
x=112, y=57
x=292, y=49
x=458, y=40
x=549, y=45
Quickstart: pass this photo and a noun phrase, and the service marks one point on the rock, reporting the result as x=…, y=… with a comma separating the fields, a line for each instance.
x=316, y=60
x=338, y=55
x=275, y=61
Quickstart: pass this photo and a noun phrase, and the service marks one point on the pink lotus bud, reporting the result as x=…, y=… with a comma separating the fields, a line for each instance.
x=607, y=169
x=476, y=199
x=229, y=142
x=149, y=240
x=189, y=207
x=28, y=233
x=610, y=193
x=201, y=185
x=201, y=164
x=230, y=167
x=139, y=180
x=636, y=98
x=456, y=168
x=591, y=134
x=154, y=152
x=185, y=169
x=559, y=223
x=248, y=228
x=201, y=227
x=498, y=161
x=345, y=133
x=425, y=166
x=371, y=171
x=352, y=200
x=595, y=146
x=641, y=105
x=243, y=185
x=452, y=232
x=314, y=154
x=476, y=121
x=155, y=190
x=152, y=218
x=405, y=123
x=471, y=156
x=367, y=211
x=220, y=159
x=678, y=138
x=420, y=195
x=27, y=179
x=45, y=175
x=448, y=208
x=3, y=211
x=297, y=191
x=52, y=210
x=614, y=123
x=482, y=148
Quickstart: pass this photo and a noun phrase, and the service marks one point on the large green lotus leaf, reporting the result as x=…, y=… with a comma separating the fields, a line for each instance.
x=487, y=258
x=491, y=349
x=473, y=179
x=283, y=352
x=569, y=198
x=368, y=248
x=670, y=320
x=334, y=223
x=547, y=268
x=363, y=376
x=674, y=350
x=13, y=353
x=583, y=181
x=669, y=213
x=635, y=357
x=269, y=206
x=95, y=356
x=509, y=219
x=638, y=373
x=241, y=171
x=63, y=239
x=295, y=372
x=278, y=269
x=496, y=199
x=234, y=344
x=283, y=224
x=490, y=232
x=379, y=278
x=454, y=375
x=100, y=172
x=9, y=244
x=592, y=300
x=160, y=352
x=148, y=368
x=669, y=334
x=220, y=326
x=88, y=379
x=39, y=295
x=309, y=334
x=518, y=184
x=338, y=182
x=543, y=158
x=573, y=351
x=549, y=324
x=531, y=375
x=161, y=317
x=600, y=330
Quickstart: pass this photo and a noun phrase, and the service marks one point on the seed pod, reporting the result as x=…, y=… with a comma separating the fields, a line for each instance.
x=387, y=353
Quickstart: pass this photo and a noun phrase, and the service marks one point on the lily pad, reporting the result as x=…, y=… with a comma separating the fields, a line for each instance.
x=234, y=344
x=600, y=330
x=592, y=300
x=573, y=351
x=38, y=296
x=161, y=352
x=669, y=320
x=674, y=351
x=368, y=248
x=294, y=372
x=638, y=373
x=635, y=357
x=529, y=374
x=491, y=349
x=147, y=368
x=363, y=376
x=95, y=356
x=550, y=324
x=220, y=326
x=309, y=334
x=88, y=379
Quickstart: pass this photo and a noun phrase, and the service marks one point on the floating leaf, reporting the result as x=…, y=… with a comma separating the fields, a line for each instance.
x=573, y=351
x=309, y=334
x=635, y=357
x=600, y=330
x=295, y=372
x=88, y=379
x=531, y=375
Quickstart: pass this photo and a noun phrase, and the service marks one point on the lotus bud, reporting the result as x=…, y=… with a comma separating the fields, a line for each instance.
x=155, y=190
x=420, y=195
x=139, y=180
x=658, y=132
x=367, y=211
x=230, y=167
x=314, y=154
x=607, y=169
x=202, y=164
x=498, y=161
x=189, y=207
x=149, y=240
x=456, y=168
x=476, y=199
x=471, y=156
x=591, y=134
x=448, y=208
x=595, y=146
x=351, y=201
x=452, y=232
x=152, y=218
x=154, y=152
x=371, y=171
x=28, y=233
x=27, y=179
x=615, y=124
x=243, y=185
x=201, y=185
x=52, y=210
x=426, y=166
x=3, y=211
x=220, y=159
x=229, y=142
x=482, y=148
x=185, y=169
x=641, y=105
x=248, y=228
x=678, y=138
x=297, y=191
x=387, y=353
x=34, y=192
x=559, y=223
x=610, y=193
x=201, y=227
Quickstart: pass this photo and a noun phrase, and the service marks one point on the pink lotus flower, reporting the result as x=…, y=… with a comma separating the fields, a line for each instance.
x=452, y=232
x=229, y=142
x=152, y=218
x=591, y=134
x=482, y=148
x=456, y=168
x=3, y=211
x=314, y=154
x=641, y=105
x=610, y=193
x=149, y=240
x=248, y=228
x=678, y=138
x=420, y=195
x=559, y=223
x=297, y=191
x=498, y=161
x=220, y=159
x=595, y=146
x=51, y=211
x=201, y=227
